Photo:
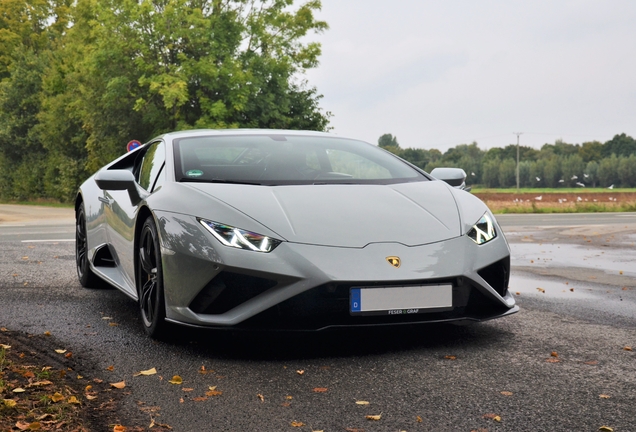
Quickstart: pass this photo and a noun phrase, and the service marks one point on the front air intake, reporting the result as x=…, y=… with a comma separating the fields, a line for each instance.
x=497, y=275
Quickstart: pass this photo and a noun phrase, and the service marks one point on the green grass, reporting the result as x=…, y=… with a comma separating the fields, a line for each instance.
x=43, y=202
x=578, y=190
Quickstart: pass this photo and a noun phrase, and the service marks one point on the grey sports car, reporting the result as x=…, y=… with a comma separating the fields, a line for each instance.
x=288, y=230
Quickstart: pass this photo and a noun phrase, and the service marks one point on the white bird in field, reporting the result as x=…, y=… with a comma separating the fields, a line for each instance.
x=585, y=175
x=574, y=177
x=611, y=187
x=579, y=199
x=472, y=173
x=561, y=181
x=539, y=198
x=538, y=178
x=580, y=184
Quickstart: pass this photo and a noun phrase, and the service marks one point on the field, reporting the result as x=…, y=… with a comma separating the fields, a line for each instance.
x=558, y=200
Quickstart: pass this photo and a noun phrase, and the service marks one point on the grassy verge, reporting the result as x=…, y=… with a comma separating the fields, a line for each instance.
x=578, y=190
x=43, y=202
x=572, y=208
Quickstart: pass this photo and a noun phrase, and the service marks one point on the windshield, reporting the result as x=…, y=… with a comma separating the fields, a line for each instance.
x=287, y=159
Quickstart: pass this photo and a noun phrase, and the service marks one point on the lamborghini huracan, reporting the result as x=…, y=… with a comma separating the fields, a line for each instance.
x=289, y=230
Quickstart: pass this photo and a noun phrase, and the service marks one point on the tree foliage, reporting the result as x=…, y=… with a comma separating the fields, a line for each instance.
x=102, y=72
x=555, y=165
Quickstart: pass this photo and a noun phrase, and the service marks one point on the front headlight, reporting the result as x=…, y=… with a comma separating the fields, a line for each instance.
x=240, y=238
x=483, y=231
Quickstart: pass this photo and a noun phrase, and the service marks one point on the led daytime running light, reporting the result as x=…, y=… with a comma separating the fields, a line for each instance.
x=483, y=231
x=239, y=238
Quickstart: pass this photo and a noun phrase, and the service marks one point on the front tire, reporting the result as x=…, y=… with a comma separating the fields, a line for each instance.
x=152, y=303
x=86, y=277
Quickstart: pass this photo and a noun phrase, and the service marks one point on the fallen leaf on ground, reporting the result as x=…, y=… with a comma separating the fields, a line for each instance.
x=68, y=355
x=506, y=393
x=25, y=425
x=374, y=417
x=213, y=392
x=119, y=428
x=113, y=324
x=176, y=380
x=604, y=396
x=300, y=372
x=418, y=419
x=200, y=399
x=541, y=290
x=90, y=397
x=627, y=348
x=40, y=383
x=73, y=400
x=320, y=389
x=3, y=346
x=554, y=354
x=57, y=397
x=450, y=357
x=492, y=416
x=119, y=385
x=362, y=403
x=106, y=318
x=9, y=403
x=18, y=390
x=289, y=397
x=47, y=333
x=187, y=389
x=146, y=372
x=110, y=368
x=261, y=397
x=60, y=351
x=297, y=424
x=606, y=429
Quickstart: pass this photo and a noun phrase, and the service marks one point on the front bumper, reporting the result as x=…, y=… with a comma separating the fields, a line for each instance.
x=307, y=286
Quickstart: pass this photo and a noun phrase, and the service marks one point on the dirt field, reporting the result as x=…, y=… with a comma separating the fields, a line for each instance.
x=538, y=202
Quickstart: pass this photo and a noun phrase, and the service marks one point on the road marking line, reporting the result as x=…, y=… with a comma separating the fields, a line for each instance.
x=43, y=241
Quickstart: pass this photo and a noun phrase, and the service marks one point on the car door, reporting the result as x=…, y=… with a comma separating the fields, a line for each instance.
x=149, y=175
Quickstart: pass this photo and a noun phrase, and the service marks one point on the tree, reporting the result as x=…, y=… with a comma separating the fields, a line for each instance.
x=591, y=151
x=507, y=175
x=153, y=66
x=591, y=170
x=608, y=171
x=490, y=176
x=627, y=170
x=388, y=141
x=572, y=168
x=620, y=145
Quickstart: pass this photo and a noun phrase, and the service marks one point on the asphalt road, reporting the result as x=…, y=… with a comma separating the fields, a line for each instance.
x=576, y=283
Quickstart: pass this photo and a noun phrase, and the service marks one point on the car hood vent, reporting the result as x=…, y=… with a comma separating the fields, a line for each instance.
x=347, y=215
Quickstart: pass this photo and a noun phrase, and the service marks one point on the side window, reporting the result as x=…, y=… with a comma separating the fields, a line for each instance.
x=151, y=164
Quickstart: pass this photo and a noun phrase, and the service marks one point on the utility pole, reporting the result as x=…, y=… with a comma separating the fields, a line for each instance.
x=518, y=133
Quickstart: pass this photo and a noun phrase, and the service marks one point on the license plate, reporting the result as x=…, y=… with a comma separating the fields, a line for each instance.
x=400, y=300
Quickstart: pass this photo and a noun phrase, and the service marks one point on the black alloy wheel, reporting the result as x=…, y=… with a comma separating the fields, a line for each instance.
x=86, y=277
x=150, y=281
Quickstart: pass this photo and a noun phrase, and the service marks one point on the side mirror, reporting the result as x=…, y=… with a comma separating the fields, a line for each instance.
x=455, y=177
x=120, y=180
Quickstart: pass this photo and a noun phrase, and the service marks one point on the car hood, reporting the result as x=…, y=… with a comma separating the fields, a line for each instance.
x=347, y=215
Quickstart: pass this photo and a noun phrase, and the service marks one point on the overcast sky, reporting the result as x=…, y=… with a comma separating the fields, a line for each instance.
x=441, y=73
